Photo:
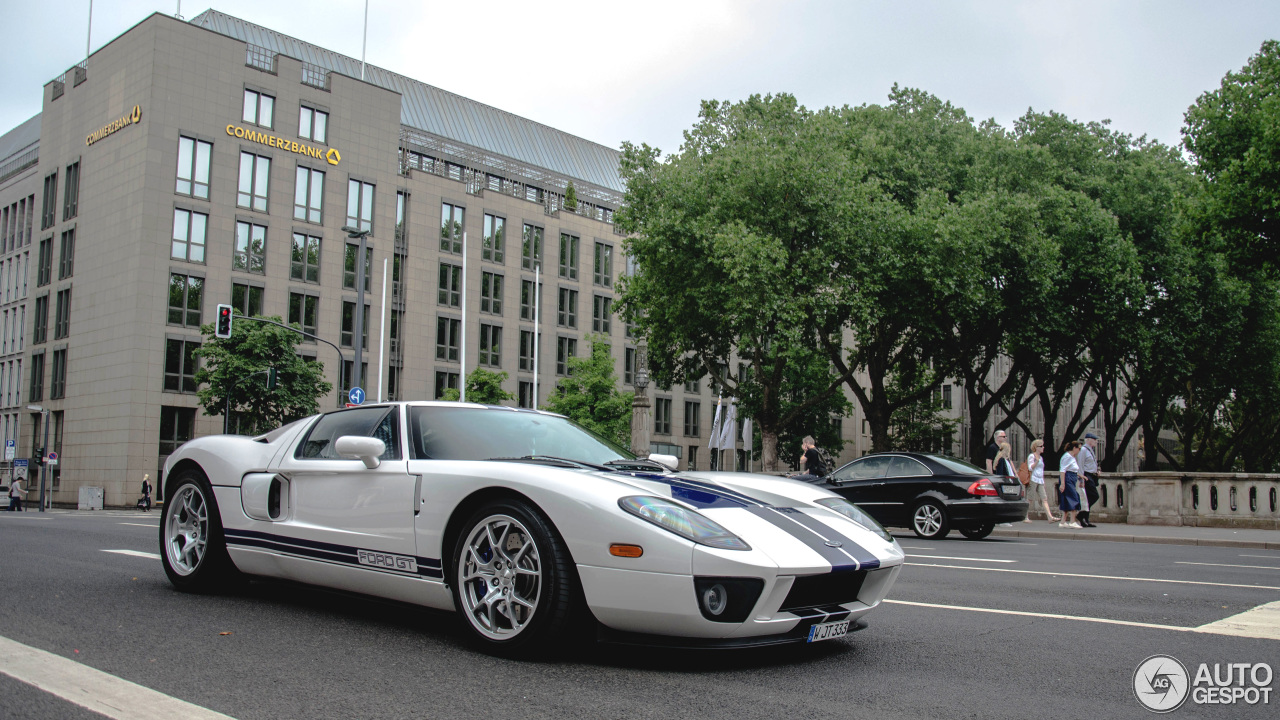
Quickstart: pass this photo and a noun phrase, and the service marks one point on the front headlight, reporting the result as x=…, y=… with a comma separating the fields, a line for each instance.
x=682, y=521
x=856, y=514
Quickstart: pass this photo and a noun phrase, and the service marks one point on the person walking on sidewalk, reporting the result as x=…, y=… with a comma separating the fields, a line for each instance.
x=16, y=494
x=994, y=449
x=146, y=492
x=1068, y=494
x=1089, y=477
x=1037, y=491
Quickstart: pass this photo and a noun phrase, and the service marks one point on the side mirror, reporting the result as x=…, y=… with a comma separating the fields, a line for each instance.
x=670, y=462
x=365, y=449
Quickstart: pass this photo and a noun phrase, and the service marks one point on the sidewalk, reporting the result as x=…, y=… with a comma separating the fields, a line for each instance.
x=1159, y=534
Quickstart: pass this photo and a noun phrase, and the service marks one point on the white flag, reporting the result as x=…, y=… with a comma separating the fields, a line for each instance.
x=747, y=436
x=728, y=440
x=713, y=442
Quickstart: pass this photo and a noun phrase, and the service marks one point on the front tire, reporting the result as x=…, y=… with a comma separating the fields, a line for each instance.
x=513, y=580
x=978, y=532
x=929, y=520
x=192, y=546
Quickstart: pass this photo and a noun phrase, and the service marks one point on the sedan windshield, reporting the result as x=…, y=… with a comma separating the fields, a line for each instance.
x=471, y=433
x=956, y=465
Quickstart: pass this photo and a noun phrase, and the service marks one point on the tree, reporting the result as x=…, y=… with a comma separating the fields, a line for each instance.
x=483, y=387
x=589, y=395
x=238, y=367
x=570, y=197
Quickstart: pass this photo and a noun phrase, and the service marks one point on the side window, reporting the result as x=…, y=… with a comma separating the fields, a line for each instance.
x=379, y=422
x=867, y=468
x=906, y=467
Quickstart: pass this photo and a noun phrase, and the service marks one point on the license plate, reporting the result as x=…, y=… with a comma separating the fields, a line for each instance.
x=827, y=631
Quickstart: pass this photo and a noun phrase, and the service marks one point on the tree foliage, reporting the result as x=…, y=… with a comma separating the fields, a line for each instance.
x=484, y=387
x=237, y=367
x=589, y=395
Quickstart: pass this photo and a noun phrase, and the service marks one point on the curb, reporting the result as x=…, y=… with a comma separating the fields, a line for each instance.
x=1154, y=540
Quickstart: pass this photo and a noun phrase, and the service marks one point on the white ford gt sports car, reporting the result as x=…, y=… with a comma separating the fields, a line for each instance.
x=527, y=525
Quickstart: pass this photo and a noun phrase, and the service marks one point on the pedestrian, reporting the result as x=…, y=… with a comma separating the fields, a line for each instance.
x=994, y=449
x=812, y=468
x=1036, y=489
x=1003, y=464
x=16, y=494
x=1089, y=473
x=146, y=492
x=1068, y=493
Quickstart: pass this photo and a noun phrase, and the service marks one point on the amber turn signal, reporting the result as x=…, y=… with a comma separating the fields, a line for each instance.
x=631, y=551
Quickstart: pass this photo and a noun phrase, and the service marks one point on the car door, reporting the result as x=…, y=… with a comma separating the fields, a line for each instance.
x=862, y=482
x=905, y=481
x=345, y=518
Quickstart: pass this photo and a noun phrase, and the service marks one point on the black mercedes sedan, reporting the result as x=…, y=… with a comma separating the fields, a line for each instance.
x=931, y=494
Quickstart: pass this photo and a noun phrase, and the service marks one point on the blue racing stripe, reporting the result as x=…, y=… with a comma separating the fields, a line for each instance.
x=865, y=560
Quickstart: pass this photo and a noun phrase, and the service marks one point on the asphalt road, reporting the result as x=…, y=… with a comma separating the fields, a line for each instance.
x=285, y=651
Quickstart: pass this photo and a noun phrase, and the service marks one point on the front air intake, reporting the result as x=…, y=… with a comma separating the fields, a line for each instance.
x=834, y=588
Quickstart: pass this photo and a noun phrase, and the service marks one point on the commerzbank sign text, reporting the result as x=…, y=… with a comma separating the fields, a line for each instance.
x=332, y=156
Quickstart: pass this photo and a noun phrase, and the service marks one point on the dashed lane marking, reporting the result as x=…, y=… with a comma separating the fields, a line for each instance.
x=135, y=553
x=966, y=559
x=145, y=525
x=93, y=689
x=1255, y=567
x=1097, y=577
x=1269, y=557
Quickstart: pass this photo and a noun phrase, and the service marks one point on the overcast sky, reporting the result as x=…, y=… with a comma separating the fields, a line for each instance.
x=614, y=71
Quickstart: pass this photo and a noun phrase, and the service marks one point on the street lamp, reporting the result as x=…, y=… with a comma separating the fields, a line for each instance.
x=357, y=339
x=640, y=404
x=44, y=451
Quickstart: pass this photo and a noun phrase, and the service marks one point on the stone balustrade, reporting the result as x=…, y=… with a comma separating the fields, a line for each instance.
x=1200, y=499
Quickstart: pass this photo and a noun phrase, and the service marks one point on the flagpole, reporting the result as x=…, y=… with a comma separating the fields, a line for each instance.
x=382, y=333
x=88, y=36
x=537, y=325
x=462, y=381
x=365, y=44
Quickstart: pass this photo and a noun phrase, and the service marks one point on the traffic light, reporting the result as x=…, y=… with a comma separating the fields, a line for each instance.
x=271, y=378
x=223, y=330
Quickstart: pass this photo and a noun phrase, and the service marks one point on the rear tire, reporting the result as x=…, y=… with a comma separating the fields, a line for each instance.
x=929, y=520
x=192, y=546
x=513, y=581
x=978, y=532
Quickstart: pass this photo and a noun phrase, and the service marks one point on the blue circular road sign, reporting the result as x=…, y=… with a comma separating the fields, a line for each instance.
x=356, y=396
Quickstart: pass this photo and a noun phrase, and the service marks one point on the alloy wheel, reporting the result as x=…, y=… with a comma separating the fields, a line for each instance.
x=500, y=577
x=928, y=519
x=186, y=529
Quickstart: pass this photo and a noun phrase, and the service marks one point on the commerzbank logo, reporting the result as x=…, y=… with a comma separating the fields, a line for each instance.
x=331, y=156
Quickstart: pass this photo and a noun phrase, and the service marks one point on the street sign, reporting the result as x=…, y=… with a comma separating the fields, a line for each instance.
x=356, y=396
x=20, y=468
x=10, y=449
x=53, y=458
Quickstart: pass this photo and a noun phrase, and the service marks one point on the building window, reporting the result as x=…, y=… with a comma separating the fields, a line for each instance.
x=447, y=330
x=693, y=457
x=568, y=256
x=37, y=377
x=255, y=176
x=193, y=167
x=527, y=301
x=349, y=325
x=495, y=243
x=566, y=348
x=44, y=270
x=313, y=124
x=189, y=233
x=946, y=396
x=259, y=108
x=526, y=394
x=349, y=266
x=450, y=293
x=629, y=366
x=71, y=194
x=186, y=296
x=601, y=311
x=308, y=195
x=491, y=293
x=402, y=218
x=303, y=311
x=691, y=412
x=41, y=322
x=393, y=383
x=490, y=345
x=692, y=386
x=250, y=252
x=67, y=258
x=445, y=381
x=662, y=416
x=62, y=316
x=175, y=427
x=393, y=329
x=526, y=350
x=603, y=273
x=531, y=248
x=360, y=205
x=247, y=299
x=567, y=313
x=58, y=381
x=180, y=365
x=452, y=223
x=305, y=263
x=398, y=262
x=48, y=211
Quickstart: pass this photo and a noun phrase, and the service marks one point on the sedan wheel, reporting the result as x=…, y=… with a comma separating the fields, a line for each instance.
x=929, y=521
x=513, y=580
x=192, y=546
x=978, y=532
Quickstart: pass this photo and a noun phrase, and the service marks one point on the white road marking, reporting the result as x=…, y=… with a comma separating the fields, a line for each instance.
x=135, y=553
x=1096, y=577
x=145, y=525
x=1256, y=567
x=1269, y=557
x=916, y=547
x=93, y=689
x=1261, y=622
x=946, y=557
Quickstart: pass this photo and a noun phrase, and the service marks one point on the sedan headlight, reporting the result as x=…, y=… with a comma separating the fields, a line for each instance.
x=856, y=514
x=682, y=521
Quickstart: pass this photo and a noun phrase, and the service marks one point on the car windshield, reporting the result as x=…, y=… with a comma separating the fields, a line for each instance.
x=472, y=433
x=956, y=465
